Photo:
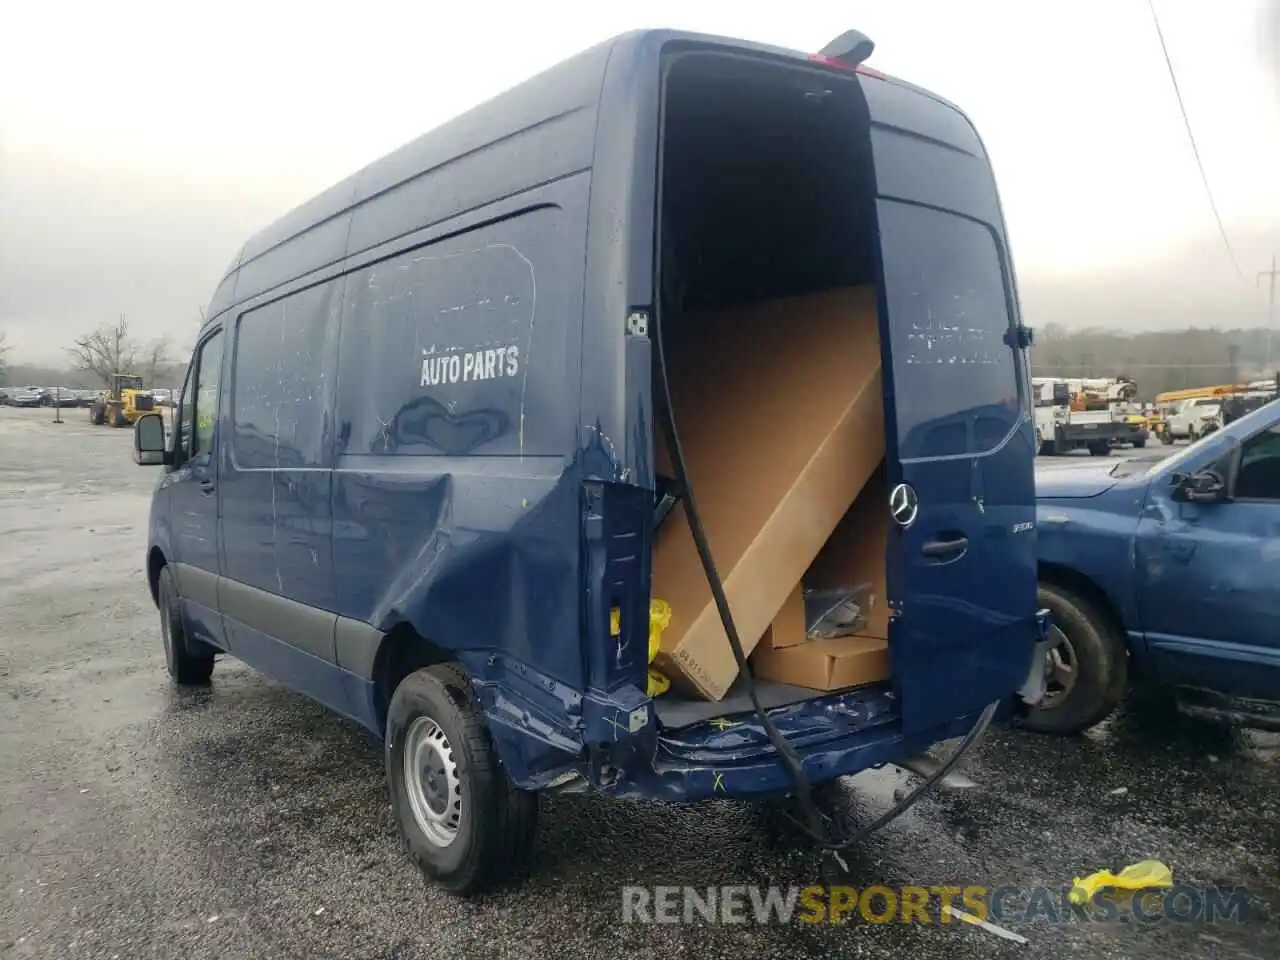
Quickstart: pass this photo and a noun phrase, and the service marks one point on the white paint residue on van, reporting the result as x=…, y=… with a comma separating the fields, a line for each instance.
x=496, y=359
x=533, y=319
x=941, y=342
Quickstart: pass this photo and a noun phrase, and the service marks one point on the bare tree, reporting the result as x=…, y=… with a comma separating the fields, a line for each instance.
x=157, y=359
x=106, y=351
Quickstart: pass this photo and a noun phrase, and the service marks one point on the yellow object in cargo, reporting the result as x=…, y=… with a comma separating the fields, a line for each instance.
x=659, y=620
x=1144, y=875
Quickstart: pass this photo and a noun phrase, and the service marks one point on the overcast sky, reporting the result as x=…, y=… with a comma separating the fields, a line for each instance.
x=141, y=143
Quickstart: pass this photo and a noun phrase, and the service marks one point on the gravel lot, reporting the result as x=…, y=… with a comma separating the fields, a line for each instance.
x=244, y=821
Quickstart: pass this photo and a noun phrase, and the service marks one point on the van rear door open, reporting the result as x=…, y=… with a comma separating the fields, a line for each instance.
x=962, y=569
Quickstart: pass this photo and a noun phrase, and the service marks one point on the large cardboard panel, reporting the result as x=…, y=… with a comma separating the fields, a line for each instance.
x=781, y=417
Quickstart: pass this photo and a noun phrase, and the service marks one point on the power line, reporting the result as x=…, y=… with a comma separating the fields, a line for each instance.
x=1195, y=150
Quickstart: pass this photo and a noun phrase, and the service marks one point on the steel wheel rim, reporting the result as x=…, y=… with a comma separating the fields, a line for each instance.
x=431, y=781
x=1061, y=669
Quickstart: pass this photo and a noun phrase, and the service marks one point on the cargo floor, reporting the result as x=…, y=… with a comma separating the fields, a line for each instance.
x=676, y=709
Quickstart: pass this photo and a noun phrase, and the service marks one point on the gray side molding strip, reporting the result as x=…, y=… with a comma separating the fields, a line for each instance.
x=296, y=624
x=197, y=585
x=356, y=645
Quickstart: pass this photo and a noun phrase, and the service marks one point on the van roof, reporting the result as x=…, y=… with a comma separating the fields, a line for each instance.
x=552, y=115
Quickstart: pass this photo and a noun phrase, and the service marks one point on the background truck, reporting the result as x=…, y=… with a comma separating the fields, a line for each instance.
x=123, y=404
x=1065, y=422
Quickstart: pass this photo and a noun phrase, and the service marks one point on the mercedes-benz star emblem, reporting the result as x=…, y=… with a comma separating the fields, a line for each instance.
x=903, y=505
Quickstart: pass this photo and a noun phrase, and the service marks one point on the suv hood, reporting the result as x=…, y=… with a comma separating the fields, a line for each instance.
x=1070, y=483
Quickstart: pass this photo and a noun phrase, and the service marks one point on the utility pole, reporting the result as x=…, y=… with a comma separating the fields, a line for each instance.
x=1271, y=307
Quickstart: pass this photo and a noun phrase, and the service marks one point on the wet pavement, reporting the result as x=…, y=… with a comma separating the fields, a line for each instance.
x=243, y=821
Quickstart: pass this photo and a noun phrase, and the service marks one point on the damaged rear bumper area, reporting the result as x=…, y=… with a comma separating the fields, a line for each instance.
x=619, y=749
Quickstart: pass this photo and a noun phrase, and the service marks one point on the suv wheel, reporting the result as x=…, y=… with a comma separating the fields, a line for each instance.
x=190, y=662
x=465, y=826
x=1086, y=669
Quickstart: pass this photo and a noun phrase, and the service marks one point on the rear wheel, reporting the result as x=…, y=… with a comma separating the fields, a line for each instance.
x=1140, y=443
x=118, y=418
x=465, y=826
x=190, y=662
x=1086, y=669
x=97, y=415
x=1099, y=448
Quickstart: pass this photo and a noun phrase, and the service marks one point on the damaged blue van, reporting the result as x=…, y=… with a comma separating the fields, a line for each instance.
x=412, y=471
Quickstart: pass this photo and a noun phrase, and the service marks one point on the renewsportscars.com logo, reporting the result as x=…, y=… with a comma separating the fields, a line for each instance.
x=879, y=903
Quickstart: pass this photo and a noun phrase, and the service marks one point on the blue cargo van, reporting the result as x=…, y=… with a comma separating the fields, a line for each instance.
x=412, y=467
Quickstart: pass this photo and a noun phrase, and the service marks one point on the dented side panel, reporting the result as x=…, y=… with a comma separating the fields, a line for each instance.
x=456, y=498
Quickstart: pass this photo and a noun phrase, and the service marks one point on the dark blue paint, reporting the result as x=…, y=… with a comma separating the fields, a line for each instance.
x=502, y=519
x=189, y=496
x=1194, y=585
x=275, y=483
x=964, y=443
x=337, y=689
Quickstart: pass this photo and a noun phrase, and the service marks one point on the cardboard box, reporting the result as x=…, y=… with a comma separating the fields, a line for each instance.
x=781, y=416
x=833, y=664
x=855, y=553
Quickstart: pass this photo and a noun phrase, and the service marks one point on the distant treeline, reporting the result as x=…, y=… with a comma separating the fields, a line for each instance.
x=1157, y=361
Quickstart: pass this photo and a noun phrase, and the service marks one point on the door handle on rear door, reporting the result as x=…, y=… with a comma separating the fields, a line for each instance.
x=940, y=549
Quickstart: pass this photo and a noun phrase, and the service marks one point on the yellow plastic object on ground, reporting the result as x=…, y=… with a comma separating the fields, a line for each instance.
x=1144, y=875
x=659, y=620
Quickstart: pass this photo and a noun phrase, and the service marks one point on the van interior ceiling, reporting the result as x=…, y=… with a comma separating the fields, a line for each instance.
x=767, y=193
x=766, y=183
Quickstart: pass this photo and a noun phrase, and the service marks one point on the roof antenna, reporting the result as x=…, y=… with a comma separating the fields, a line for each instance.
x=852, y=48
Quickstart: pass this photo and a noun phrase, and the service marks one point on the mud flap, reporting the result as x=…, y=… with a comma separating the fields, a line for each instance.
x=1033, y=688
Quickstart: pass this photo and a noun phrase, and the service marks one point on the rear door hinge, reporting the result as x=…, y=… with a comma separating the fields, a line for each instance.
x=638, y=323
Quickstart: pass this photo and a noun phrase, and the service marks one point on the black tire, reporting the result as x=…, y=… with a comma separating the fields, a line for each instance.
x=1099, y=448
x=97, y=415
x=1048, y=448
x=118, y=417
x=1101, y=664
x=1139, y=444
x=495, y=823
x=190, y=662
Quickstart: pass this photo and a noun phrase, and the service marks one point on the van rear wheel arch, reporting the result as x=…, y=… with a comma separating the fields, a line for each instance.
x=402, y=652
x=155, y=563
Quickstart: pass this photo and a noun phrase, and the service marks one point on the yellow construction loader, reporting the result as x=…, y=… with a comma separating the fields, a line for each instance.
x=124, y=403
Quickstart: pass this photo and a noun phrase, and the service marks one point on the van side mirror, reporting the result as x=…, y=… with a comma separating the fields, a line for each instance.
x=148, y=441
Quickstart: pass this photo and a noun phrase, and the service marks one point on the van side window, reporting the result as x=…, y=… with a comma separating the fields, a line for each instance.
x=283, y=380
x=208, y=377
x=949, y=312
x=457, y=348
x=1259, y=476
